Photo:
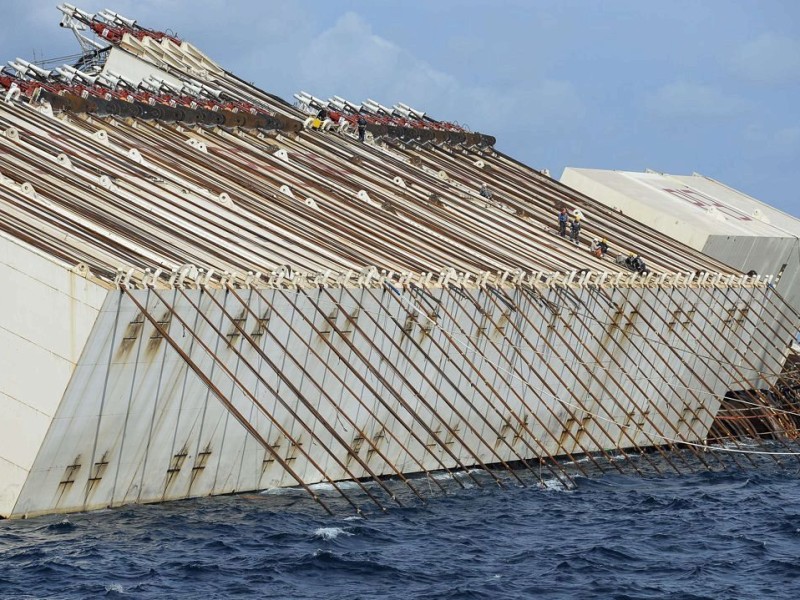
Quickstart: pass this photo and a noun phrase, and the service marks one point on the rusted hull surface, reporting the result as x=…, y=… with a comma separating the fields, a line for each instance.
x=350, y=383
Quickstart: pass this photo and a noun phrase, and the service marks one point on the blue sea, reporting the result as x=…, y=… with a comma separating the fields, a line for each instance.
x=707, y=534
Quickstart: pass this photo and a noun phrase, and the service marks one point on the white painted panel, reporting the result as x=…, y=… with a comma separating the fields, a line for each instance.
x=31, y=374
x=668, y=204
x=13, y=478
x=741, y=201
x=37, y=351
x=135, y=69
x=28, y=426
x=766, y=256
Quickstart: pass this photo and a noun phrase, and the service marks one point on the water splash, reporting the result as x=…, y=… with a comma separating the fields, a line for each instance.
x=330, y=533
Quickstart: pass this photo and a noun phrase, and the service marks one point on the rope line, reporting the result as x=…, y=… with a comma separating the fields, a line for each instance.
x=542, y=392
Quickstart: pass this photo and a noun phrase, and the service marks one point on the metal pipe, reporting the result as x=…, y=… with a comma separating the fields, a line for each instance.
x=376, y=394
x=573, y=418
x=322, y=390
x=225, y=401
x=402, y=376
x=556, y=469
x=623, y=427
x=396, y=395
x=286, y=406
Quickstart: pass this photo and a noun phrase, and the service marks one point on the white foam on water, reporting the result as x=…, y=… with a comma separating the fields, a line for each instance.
x=555, y=485
x=342, y=485
x=114, y=587
x=351, y=485
x=279, y=492
x=322, y=487
x=330, y=533
x=441, y=475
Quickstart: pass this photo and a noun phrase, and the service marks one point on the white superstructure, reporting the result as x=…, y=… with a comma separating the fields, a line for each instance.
x=707, y=215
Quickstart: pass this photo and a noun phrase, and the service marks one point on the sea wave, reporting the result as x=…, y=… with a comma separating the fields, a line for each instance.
x=330, y=533
x=706, y=535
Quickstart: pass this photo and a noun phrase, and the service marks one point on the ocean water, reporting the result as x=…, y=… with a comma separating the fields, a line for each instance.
x=721, y=535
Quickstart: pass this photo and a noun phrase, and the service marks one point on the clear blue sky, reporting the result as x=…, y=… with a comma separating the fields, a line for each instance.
x=678, y=86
